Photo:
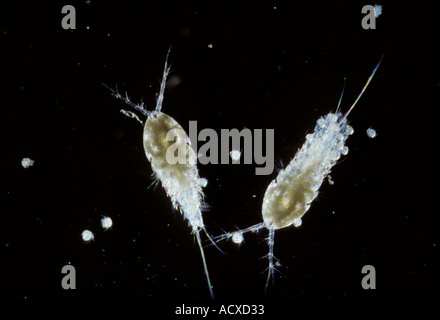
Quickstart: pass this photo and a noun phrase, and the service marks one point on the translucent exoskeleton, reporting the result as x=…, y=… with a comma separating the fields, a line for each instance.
x=181, y=181
x=289, y=196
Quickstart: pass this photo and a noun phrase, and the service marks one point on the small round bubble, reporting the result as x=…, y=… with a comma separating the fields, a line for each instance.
x=371, y=133
x=203, y=182
x=87, y=235
x=237, y=237
x=235, y=154
x=106, y=222
x=26, y=163
x=297, y=222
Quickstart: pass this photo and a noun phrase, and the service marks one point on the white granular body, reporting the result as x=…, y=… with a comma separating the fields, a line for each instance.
x=106, y=222
x=27, y=162
x=371, y=133
x=297, y=223
x=237, y=237
x=235, y=155
x=87, y=235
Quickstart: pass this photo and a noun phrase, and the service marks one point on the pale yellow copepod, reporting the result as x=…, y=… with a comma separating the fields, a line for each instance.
x=181, y=181
x=289, y=196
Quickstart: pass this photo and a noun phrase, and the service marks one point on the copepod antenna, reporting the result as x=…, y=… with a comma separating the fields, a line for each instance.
x=140, y=107
x=166, y=71
x=205, y=267
x=126, y=99
x=342, y=93
x=365, y=87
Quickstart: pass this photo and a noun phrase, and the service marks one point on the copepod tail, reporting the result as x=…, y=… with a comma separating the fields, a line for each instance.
x=271, y=268
x=205, y=267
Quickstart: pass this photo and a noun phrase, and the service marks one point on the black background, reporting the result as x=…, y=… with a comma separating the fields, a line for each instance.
x=279, y=68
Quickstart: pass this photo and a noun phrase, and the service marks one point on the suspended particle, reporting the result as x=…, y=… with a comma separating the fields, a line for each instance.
x=174, y=81
x=297, y=223
x=203, y=182
x=237, y=237
x=132, y=115
x=330, y=181
x=210, y=46
x=106, y=222
x=87, y=235
x=27, y=162
x=290, y=195
x=235, y=155
x=371, y=133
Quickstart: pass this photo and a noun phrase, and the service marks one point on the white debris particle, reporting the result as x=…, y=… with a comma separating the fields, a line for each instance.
x=27, y=162
x=210, y=46
x=237, y=237
x=330, y=181
x=371, y=133
x=106, y=222
x=131, y=115
x=235, y=155
x=87, y=235
x=174, y=81
x=377, y=10
x=203, y=182
x=297, y=222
